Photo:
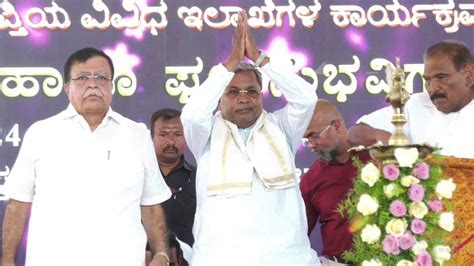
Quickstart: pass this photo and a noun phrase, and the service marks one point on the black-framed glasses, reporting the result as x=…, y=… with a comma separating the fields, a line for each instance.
x=83, y=79
x=234, y=93
x=314, y=137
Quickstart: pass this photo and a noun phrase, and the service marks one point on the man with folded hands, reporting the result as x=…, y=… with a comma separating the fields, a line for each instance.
x=249, y=206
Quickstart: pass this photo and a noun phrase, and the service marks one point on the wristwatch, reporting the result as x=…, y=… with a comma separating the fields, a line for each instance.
x=261, y=57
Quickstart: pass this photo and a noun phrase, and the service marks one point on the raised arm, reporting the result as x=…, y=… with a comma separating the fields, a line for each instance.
x=197, y=113
x=363, y=134
x=296, y=115
x=372, y=128
x=301, y=97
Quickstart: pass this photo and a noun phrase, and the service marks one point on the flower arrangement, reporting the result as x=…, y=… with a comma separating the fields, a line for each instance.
x=400, y=212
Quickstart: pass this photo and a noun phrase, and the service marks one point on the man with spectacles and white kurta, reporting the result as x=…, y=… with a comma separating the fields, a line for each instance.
x=90, y=177
x=249, y=207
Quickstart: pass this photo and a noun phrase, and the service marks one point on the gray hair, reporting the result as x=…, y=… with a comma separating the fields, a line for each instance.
x=249, y=67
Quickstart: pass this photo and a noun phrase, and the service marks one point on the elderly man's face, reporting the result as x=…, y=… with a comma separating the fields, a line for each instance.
x=90, y=88
x=448, y=88
x=168, y=138
x=323, y=140
x=243, y=108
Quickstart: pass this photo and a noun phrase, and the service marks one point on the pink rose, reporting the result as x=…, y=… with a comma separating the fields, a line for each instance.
x=422, y=171
x=424, y=259
x=391, y=172
x=416, y=192
x=390, y=245
x=435, y=205
x=406, y=241
x=418, y=226
x=398, y=208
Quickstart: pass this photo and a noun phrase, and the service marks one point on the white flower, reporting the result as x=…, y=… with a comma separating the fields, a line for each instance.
x=442, y=253
x=371, y=233
x=445, y=188
x=406, y=157
x=371, y=262
x=370, y=174
x=405, y=263
x=419, y=247
x=389, y=190
x=409, y=180
x=396, y=227
x=446, y=221
x=418, y=209
x=367, y=205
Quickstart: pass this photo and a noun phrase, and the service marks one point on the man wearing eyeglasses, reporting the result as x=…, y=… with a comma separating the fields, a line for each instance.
x=90, y=178
x=249, y=207
x=328, y=180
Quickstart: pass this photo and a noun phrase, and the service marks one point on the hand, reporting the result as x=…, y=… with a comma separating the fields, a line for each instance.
x=251, y=50
x=159, y=261
x=238, y=44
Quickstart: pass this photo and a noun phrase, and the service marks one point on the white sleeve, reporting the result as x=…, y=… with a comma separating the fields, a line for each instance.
x=197, y=114
x=20, y=183
x=155, y=189
x=294, y=118
x=379, y=119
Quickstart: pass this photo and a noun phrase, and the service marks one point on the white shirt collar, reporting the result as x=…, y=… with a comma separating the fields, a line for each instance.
x=71, y=112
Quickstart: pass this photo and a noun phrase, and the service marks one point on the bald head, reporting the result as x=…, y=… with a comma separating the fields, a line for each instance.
x=324, y=113
x=327, y=133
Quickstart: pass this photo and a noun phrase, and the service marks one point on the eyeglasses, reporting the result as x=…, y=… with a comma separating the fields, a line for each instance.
x=234, y=93
x=83, y=79
x=314, y=137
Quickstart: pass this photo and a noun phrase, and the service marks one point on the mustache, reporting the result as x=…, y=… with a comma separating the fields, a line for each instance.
x=93, y=92
x=170, y=149
x=243, y=107
x=437, y=95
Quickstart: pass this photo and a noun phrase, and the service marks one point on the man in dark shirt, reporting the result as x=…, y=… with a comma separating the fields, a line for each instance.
x=168, y=138
x=329, y=179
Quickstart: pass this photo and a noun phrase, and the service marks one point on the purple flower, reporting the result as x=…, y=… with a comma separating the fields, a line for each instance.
x=424, y=259
x=418, y=226
x=416, y=192
x=435, y=205
x=398, y=208
x=391, y=172
x=390, y=245
x=406, y=241
x=422, y=171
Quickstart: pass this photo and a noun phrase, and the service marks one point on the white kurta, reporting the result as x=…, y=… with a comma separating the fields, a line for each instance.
x=265, y=227
x=86, y=189
x=452, y=132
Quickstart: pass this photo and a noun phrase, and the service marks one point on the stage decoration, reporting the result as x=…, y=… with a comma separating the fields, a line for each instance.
x=462, y=171
x=400, y=208
x=29, y=81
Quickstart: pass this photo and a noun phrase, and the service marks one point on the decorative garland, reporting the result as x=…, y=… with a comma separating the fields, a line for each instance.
x=400, y=213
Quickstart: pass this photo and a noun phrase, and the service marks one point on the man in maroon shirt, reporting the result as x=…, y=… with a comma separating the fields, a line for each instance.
x=329, y=179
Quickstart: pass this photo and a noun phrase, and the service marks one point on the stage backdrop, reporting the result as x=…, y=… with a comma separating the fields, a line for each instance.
x=163, y=50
